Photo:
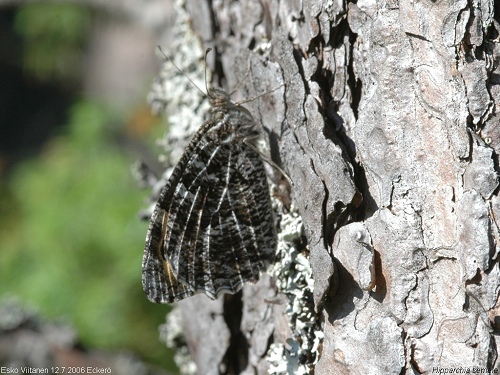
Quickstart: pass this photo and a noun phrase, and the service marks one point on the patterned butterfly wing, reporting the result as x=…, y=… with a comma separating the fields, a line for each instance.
x=159, y=280
x=229, y=241
x=211, y=224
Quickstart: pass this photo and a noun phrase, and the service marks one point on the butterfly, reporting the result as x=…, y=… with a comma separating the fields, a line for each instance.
x=212, y=229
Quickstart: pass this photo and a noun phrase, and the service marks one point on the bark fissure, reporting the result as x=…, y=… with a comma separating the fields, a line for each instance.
x=236, y=358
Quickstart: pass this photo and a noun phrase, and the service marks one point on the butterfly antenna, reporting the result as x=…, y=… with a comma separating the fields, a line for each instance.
x=243, y=79
x=185, y=75
x=258, y=96
x=206, y=82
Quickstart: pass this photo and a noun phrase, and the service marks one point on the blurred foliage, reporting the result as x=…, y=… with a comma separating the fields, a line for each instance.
x=53, y=35
x=72, y=241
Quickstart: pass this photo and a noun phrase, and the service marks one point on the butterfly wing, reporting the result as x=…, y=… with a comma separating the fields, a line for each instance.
x=233, y=239
x=159, y=280
x=212, y=227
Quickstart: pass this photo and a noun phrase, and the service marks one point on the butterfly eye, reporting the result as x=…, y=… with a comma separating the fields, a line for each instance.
x=218, y=97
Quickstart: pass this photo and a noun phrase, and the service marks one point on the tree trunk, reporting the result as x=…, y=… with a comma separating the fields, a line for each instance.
x=383, y=116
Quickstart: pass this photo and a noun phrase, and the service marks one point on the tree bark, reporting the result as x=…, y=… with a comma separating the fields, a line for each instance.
x=384, y=117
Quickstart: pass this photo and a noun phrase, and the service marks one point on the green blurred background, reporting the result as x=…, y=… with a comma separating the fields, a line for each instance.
x=71, y=240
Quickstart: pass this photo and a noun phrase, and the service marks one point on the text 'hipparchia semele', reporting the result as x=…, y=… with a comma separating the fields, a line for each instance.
x=212, y=228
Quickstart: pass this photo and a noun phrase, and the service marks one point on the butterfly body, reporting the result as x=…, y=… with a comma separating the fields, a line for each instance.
x=212, y=227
